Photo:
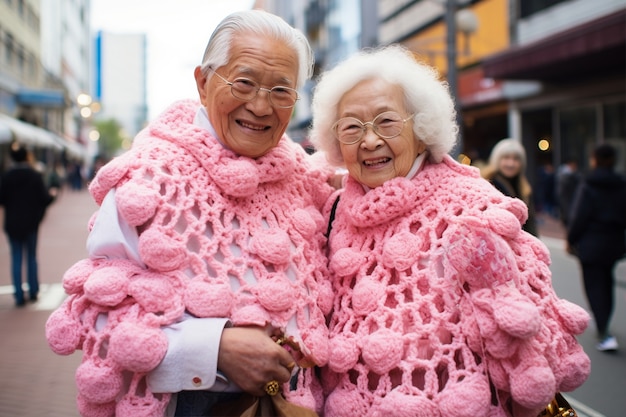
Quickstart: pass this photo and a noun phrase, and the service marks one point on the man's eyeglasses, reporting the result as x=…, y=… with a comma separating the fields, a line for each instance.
x=387, y=125
x=246, y=90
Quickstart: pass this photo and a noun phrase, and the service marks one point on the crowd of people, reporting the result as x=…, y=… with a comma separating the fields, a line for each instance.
x=377, y=276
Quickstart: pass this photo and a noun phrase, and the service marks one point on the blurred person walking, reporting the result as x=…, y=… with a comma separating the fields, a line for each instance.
x=596, y=234
x=568, y=179
x=505, y=170
x=25, y=198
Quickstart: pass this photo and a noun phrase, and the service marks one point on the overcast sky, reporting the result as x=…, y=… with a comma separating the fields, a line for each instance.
x=177, y=32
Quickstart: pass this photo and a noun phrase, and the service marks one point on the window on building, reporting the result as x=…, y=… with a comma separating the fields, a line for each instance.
x=9, y=48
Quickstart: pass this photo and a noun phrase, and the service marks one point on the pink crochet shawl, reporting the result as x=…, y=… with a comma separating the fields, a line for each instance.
x=440, y=297
x=221, y=236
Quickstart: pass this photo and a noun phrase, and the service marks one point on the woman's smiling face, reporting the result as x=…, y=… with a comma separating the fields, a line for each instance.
x=374, y=160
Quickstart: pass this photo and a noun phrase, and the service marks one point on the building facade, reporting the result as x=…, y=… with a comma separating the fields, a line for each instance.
x=44, y=58
x=120, y=79
x=575, y=51
x=551, y=73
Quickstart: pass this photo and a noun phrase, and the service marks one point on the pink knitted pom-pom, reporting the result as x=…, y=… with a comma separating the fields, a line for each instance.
x=532, y=386
x=137, y=348
x=108, y=177
x=272, y=245
x=317, y=341
x=75, y=277
x=325, y=296
x=573, y=369
x=344, y=403
x=366, y=295
x=237, y=177
x=204, y=299
x=251, y=315
x=161, y=252
x=98, y=383
x=346, y=261
x=382, y=350
x=304, y=223
x=344, y=354
x=63, y=332
x=516, y=315
x=135, y=203
x=469, y=397
x=90, y=409
x=501, y=344
x=574, y=318
x=401, y=251
x=154, y=293
x=503, y=222
x=276, y=292
x=107, y=286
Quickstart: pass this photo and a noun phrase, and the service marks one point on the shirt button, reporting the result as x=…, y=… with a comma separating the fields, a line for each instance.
x=196, y=381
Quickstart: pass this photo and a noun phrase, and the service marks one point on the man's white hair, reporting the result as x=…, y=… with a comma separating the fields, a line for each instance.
x=424, y=95
x=261, y=23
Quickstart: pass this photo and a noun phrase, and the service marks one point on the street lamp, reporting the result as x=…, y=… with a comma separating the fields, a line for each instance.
x=466, y=22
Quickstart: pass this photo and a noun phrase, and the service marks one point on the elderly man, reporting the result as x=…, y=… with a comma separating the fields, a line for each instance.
x=207, y=249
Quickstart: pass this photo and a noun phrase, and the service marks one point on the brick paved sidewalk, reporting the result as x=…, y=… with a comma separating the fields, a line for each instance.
x=35, y=382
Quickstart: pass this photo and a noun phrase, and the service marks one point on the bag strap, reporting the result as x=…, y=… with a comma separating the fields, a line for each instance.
x=333, y=210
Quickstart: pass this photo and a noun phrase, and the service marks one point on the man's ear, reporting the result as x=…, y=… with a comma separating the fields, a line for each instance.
x=201, y=80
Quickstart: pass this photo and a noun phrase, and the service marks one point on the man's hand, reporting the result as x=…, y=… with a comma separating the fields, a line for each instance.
x=250, y=358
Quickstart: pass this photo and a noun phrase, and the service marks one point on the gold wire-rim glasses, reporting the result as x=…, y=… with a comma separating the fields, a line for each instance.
x=387, y=125
x=246, y=89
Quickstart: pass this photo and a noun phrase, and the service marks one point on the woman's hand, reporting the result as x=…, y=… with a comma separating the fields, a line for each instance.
x=250, y=358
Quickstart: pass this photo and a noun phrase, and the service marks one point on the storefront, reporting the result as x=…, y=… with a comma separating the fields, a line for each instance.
x=582, y=97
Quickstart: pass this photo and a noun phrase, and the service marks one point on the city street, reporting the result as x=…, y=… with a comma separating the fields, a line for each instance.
x=35, y=382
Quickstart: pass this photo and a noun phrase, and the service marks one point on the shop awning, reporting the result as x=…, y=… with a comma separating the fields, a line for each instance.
x=6, y=135
x=27, y=134
x=41, y=98
x=596, y=48
x=73, y=149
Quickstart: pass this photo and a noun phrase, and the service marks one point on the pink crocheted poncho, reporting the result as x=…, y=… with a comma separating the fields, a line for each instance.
x=440, y=297
x=220, y=235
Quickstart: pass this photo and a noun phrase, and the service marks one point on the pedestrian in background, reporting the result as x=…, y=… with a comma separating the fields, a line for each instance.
x=25, y=197
x=596, y=233
x=568, y=178
x=505, y=170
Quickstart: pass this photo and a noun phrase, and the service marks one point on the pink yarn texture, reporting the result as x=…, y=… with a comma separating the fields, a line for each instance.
x=221, y=235
x=440, y=297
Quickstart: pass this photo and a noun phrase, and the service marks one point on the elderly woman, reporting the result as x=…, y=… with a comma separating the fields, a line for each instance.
x=506, y=171
x=207, y=248
x=443, y=305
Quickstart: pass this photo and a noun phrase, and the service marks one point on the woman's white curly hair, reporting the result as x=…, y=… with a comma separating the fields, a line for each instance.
x=424, y=94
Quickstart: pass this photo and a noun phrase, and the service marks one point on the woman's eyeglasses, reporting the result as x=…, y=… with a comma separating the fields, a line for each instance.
x=387, y=125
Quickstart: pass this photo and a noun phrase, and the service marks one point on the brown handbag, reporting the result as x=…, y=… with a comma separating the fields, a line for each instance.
x=266, y=406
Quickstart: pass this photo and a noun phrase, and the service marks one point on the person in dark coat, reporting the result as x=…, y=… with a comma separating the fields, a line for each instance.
x=25, y=198
x=568, y=179
x=597, y=224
